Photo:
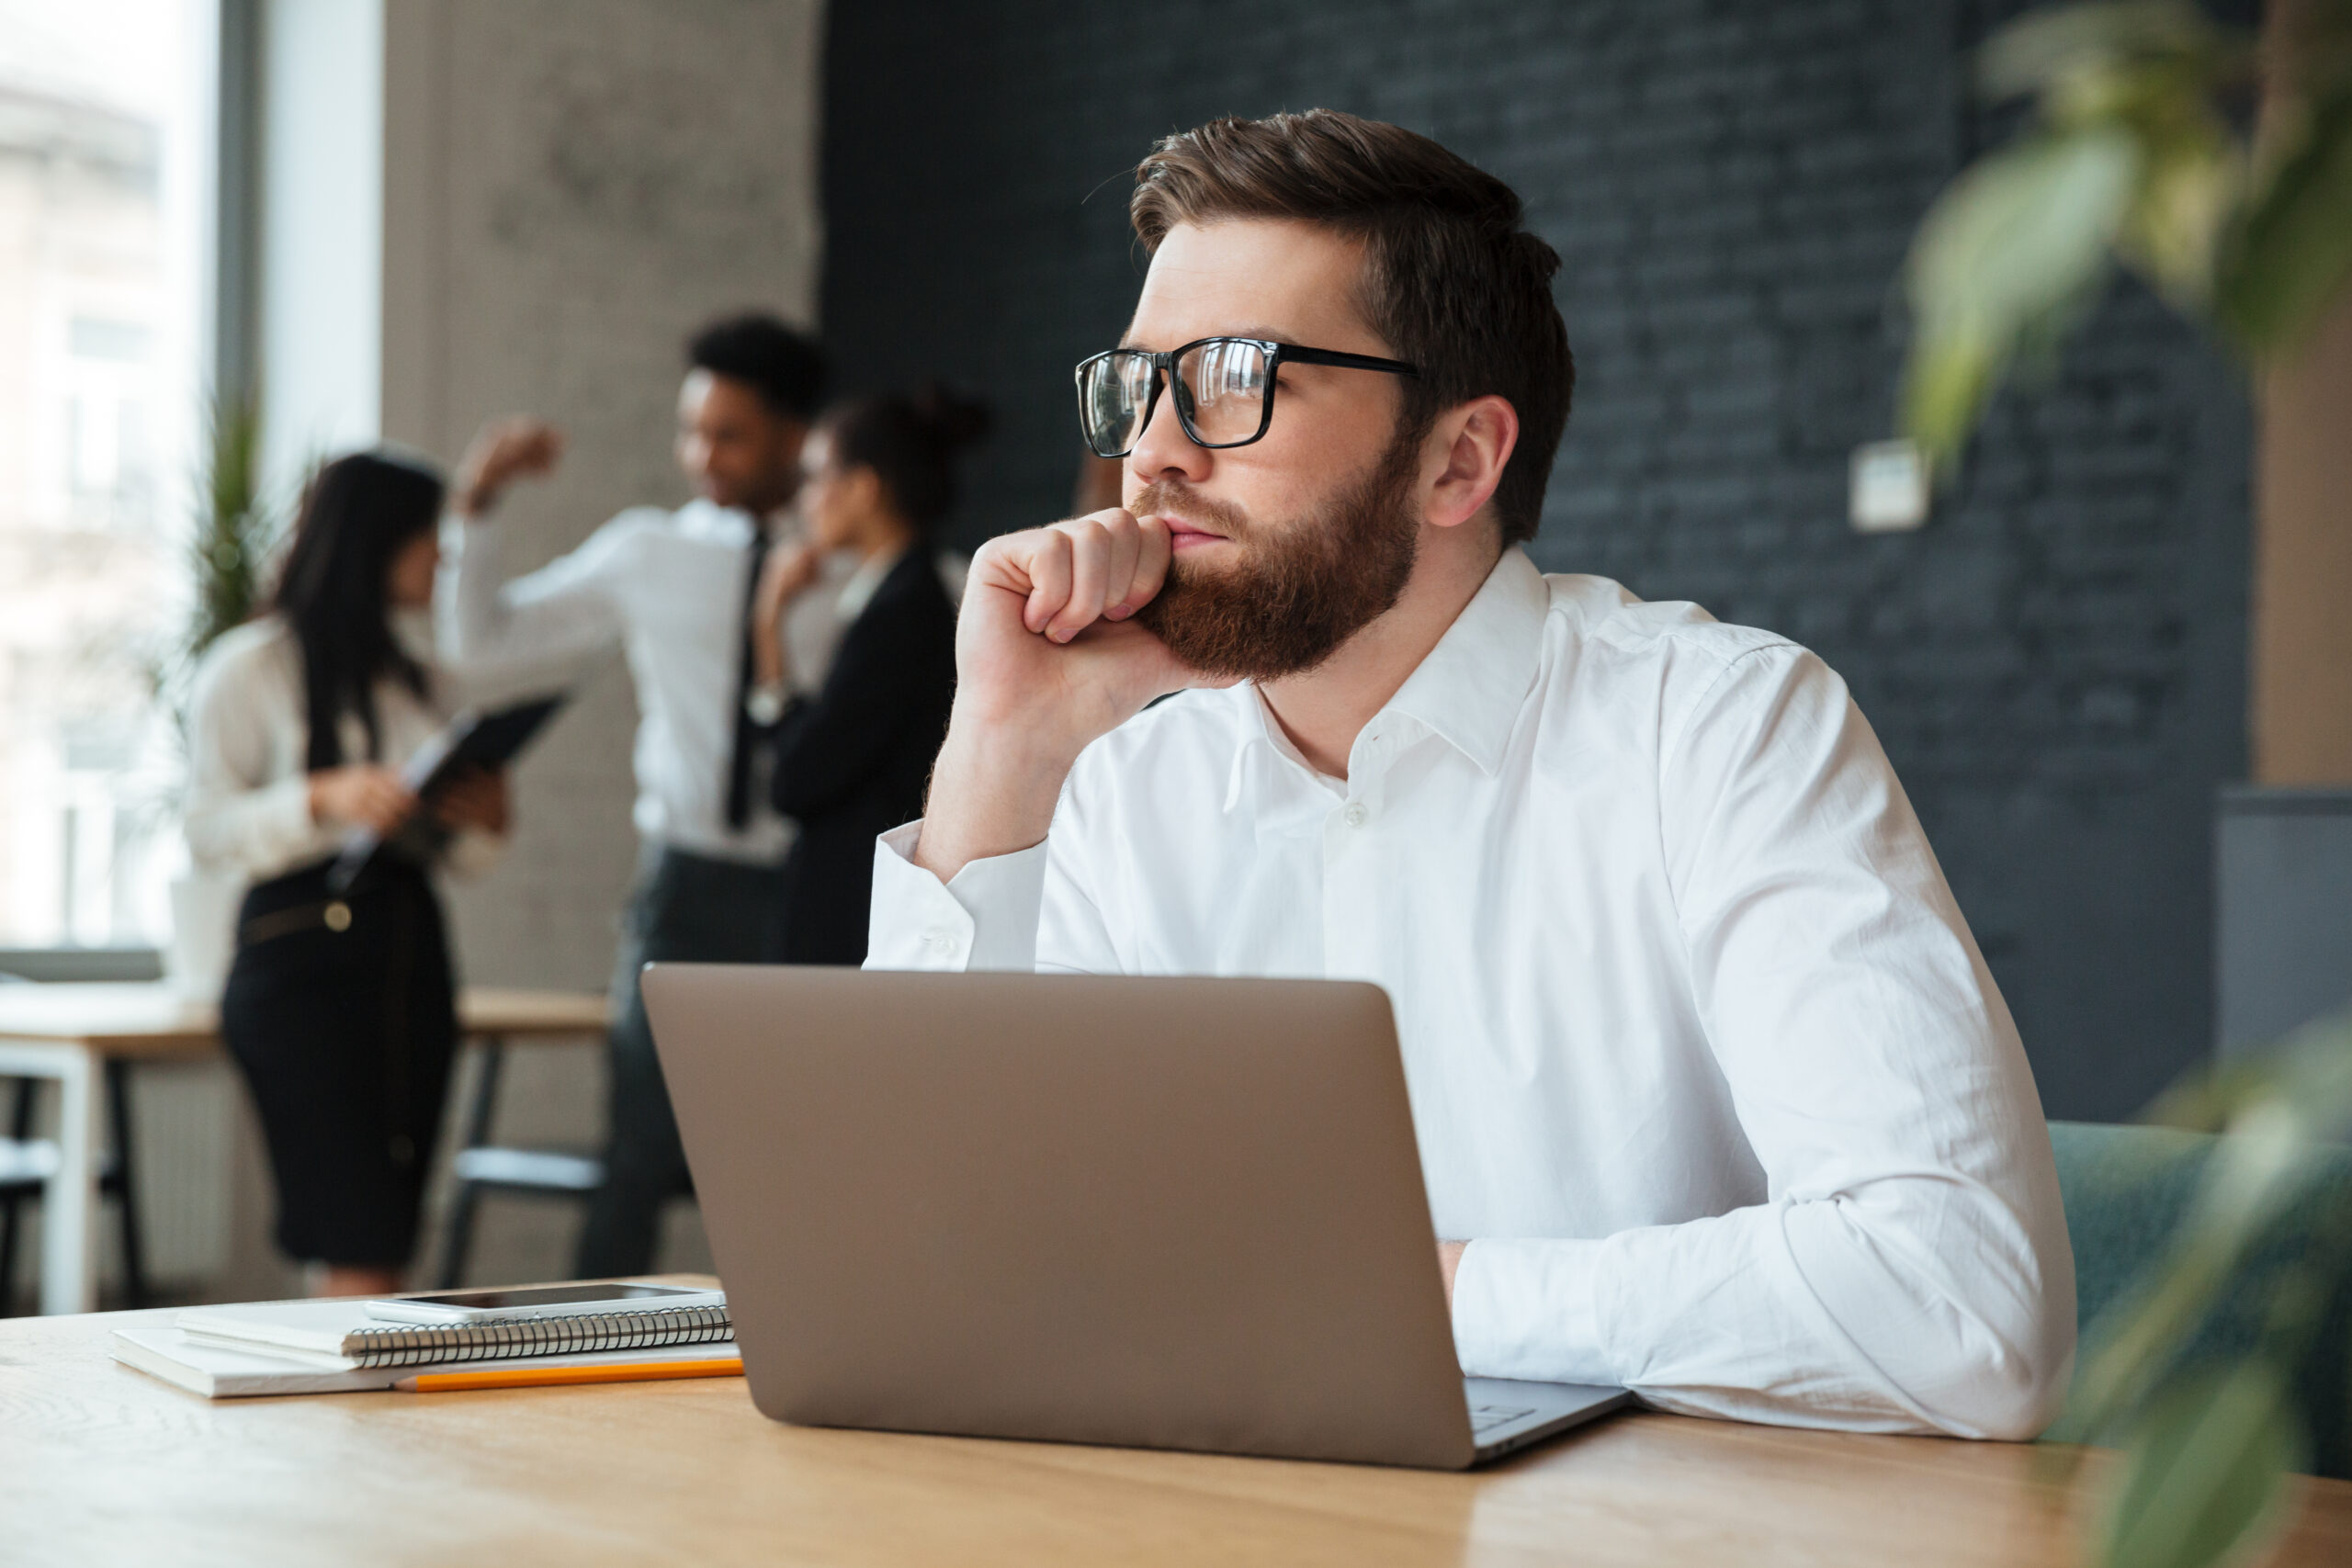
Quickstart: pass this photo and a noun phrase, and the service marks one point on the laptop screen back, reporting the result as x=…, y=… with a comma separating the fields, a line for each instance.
x=1167, y=1212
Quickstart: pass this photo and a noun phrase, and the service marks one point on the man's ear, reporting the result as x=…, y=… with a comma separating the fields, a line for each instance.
x=1466, y=453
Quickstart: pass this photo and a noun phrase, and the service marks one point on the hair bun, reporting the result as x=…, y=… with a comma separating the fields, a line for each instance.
x=959, y=421
x=910, y=440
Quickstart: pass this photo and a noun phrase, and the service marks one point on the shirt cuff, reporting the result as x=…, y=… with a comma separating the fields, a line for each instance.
x=985, y=918
x=1525, y=1308
x=282, y=815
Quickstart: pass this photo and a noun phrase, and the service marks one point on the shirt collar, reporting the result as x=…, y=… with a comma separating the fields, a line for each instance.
x=859, y=590
x=706, y=519
x=1475, y=680
x=1259, y=727
x=1469, y=689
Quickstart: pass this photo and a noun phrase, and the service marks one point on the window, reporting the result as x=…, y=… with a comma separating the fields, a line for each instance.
x=104, y=162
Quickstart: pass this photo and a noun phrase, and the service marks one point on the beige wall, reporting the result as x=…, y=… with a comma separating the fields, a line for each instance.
x=2302, y=565
x=2300, y=658
x=571, y=185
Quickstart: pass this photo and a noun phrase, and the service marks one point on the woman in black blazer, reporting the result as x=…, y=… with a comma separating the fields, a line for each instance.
x=851, y=761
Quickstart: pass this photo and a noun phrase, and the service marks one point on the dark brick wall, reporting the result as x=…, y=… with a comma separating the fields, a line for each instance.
x=2056, y=664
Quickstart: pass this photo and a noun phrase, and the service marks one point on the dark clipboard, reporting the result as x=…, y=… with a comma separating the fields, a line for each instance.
x=475, y=738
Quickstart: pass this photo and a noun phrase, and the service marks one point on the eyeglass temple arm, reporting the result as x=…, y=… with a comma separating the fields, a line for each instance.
x=1345, y=361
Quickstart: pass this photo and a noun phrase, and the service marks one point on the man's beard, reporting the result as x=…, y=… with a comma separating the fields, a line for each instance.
x=1300, y=588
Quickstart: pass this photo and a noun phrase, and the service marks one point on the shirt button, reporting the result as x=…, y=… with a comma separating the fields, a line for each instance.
x=1356, y=815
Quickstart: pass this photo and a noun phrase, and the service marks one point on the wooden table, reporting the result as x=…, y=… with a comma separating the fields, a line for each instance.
x=69, y=1032
x=99, y=1463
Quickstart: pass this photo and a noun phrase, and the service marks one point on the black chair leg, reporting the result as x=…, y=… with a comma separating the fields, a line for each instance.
x=9, y=1253
x=458, y=1238
x=134, y=1253
x=20, y=1127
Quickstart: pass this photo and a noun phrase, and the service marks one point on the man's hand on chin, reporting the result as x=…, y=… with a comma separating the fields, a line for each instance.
x=1046, y=661
x=1449, y=1261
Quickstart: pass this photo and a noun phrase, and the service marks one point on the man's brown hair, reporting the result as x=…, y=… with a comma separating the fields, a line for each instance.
x=1453, y=280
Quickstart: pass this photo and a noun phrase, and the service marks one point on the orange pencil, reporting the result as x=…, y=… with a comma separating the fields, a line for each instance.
x=538, y=1377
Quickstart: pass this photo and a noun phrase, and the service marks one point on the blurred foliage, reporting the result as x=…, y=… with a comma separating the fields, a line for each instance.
x=233, y=531
x=2217, y=167
x=2141, y=148
x=233, y=528
x=2209, y=1445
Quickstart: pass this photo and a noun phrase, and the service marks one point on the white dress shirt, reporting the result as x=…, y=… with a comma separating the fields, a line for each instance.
x=668, y=588
x=249, y=743
x=1703, y=1061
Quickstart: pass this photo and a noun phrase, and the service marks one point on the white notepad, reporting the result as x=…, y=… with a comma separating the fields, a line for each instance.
x=220, y=1371
x=339, y=1335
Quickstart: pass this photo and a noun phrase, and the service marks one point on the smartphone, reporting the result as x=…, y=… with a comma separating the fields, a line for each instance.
x=544, y=1301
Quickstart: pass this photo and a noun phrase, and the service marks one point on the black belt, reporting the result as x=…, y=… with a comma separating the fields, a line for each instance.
x=328, y=914
x=300, y=901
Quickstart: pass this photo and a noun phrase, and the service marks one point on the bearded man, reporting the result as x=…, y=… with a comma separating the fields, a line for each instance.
x=1714, y=1095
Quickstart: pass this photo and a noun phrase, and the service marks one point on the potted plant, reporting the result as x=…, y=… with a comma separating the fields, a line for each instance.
x=2217, y=166
x=233, y=533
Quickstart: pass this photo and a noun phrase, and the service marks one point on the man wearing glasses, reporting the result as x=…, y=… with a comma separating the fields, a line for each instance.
x=1715, y=1097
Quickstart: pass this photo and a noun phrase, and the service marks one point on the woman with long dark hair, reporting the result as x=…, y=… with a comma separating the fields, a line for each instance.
x=340, y=1007
x=851, y=756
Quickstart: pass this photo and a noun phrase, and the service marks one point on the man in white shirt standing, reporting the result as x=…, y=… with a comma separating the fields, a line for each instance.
x=1714, y=1094
x=672, y=589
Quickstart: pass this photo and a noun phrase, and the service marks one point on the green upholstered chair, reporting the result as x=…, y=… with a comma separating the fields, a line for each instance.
x=2127, y=1188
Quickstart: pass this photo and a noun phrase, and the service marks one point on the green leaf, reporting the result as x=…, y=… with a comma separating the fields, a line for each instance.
x=2007, y=253
x=2204, y=1477
x=2044, y=48
x=2310, y=1071
x=2022, y=231
x=2177, y=218
x=1945, y=387
x=2290, y=257
x=233, y=530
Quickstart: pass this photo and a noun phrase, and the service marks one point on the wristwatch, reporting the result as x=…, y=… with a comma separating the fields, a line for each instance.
x=764, y=704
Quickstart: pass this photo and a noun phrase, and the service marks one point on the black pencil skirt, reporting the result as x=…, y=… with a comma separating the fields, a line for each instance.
x=341, y=1012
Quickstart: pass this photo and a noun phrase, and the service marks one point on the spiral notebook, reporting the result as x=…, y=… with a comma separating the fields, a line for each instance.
x=218, y=1370
x=341, y=1336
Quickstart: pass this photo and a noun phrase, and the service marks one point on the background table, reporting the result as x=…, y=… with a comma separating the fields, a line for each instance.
x=69, y=1033
x=99, y=1463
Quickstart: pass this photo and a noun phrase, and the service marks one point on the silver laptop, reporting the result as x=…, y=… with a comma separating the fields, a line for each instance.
x=1182, y=1213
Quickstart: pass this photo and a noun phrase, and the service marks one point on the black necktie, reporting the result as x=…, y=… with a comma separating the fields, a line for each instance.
x=739, y=762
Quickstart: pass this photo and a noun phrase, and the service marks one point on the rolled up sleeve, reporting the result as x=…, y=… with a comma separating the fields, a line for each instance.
x=1909, y=1270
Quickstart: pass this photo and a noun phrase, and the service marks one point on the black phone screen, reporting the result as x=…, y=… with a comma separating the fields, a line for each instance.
x=550, y=1295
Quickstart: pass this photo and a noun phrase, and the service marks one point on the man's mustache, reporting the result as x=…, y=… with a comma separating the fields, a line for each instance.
x=1163, y=496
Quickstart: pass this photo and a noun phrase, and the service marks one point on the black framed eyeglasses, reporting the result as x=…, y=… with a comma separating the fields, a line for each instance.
x=1224, y=388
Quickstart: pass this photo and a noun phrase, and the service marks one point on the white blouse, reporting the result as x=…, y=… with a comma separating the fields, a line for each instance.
x=248, y=791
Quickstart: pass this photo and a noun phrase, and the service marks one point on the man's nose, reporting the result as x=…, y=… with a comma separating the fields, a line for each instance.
x=1162, y=449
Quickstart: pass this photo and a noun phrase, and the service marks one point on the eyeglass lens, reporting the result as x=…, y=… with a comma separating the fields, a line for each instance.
x=1224, y=382
x=1219, y=385
x=1117, y=388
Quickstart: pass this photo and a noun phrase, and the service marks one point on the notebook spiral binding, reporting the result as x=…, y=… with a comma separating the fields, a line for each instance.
x=396, y=1345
